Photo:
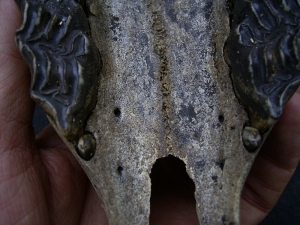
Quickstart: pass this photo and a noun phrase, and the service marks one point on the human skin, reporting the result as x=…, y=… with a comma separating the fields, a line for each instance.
x=42, y=183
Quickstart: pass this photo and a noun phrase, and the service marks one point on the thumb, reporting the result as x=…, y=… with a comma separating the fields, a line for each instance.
x=16, y=106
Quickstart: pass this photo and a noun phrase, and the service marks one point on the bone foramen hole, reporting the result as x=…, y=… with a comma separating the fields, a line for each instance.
x=221, y=118
x=117, y=112
x=120, y=171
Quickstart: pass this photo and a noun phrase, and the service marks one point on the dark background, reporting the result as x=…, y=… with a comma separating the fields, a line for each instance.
x=286, y=211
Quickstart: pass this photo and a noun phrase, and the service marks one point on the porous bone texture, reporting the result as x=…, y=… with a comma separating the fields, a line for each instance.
x=165, y=89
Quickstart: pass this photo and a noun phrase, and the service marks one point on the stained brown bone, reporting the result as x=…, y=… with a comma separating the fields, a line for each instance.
x=164, y=90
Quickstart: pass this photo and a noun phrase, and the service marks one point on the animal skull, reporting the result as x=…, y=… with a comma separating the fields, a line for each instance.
x=165, y=88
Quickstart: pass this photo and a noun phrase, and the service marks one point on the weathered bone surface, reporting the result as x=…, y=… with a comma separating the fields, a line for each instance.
x=165, y=89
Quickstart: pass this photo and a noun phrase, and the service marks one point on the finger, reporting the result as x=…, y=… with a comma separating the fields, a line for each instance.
x=48, y=138
x=173, y=207
x=16, y=108
x=93, y=212
x=21, y=188
x=66, y=184
x=77, y=201
x=274, y=165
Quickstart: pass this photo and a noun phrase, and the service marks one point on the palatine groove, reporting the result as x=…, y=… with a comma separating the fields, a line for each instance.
x=161, y=48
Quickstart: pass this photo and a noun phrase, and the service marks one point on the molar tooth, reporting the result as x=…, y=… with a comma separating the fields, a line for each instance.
x=86, y=146
x=251, y=138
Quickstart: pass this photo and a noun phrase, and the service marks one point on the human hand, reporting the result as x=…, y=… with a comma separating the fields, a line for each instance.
x=274, y=165
x=42, y=183
x=40, y=180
